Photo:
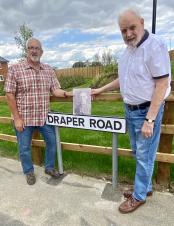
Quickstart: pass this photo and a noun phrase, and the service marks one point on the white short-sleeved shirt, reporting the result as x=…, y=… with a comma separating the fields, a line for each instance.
x=140, y=66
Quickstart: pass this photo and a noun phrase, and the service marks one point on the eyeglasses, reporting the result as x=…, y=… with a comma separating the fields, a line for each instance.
x=34, y=48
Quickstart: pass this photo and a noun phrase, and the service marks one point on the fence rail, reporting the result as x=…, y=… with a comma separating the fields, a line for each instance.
x=161, y=157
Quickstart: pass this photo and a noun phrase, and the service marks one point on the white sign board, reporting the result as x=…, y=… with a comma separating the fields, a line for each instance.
x=108, y=124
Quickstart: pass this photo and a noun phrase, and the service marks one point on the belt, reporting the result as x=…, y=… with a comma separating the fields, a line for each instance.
x=139, y=106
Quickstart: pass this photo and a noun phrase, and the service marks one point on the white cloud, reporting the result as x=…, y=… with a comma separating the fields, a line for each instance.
x=9, y=50
x=49, y=19
x=66, y=54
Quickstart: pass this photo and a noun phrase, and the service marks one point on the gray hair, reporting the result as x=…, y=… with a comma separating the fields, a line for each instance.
x=129, y=10
x=31, y=39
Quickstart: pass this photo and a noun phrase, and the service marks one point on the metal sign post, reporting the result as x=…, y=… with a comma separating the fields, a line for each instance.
x=107, y=124
x=59, y=150
x=114, y=161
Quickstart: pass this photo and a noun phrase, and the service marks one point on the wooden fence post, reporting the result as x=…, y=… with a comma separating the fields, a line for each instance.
x=165, y=146
x=37, y=151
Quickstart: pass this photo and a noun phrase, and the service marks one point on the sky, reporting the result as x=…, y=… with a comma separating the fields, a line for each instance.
x=76, y=30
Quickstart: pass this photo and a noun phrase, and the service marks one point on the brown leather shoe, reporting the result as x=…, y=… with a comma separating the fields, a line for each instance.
x=130, y=205
x=31, y=179
x=53, y=173
x=128, y=193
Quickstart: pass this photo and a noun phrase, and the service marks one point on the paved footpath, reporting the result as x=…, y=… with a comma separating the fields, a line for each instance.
x=72, y=201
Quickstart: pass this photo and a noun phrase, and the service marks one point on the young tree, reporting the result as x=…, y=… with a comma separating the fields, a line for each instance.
x=22, y=35
x=96, y=58
x=107, y=57
x=96, y=61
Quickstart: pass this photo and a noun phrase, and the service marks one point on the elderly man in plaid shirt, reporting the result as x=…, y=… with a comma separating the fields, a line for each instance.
x=28, y=87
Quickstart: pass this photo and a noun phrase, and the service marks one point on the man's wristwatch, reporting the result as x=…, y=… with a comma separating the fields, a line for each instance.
x=64, y=94
x=149, y=120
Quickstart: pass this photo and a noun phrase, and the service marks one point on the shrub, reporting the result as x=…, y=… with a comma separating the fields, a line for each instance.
x=71, y=81
x=110, y=69
x=109, y=74
x=102, y=80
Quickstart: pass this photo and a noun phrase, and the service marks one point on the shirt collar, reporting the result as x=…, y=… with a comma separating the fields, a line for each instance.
x=28, y=66
x=145, y=36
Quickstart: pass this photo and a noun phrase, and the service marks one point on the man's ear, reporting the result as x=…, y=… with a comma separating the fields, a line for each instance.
x=142, y=21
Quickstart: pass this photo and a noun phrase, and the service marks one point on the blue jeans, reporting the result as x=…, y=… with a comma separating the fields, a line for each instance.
x=144, y=149
x=24, y=144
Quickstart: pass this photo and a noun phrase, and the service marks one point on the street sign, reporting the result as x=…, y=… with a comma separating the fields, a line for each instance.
x=108, y=124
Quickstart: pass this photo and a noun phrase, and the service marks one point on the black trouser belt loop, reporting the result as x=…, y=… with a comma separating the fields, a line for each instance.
x=139, y=106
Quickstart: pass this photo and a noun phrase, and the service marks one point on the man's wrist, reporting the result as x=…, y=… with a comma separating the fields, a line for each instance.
x=65, y=94
x=16, y=117
x=149, y=120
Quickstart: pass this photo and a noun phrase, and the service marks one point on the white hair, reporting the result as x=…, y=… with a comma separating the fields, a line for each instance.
x=129, y=10
x=31, y=39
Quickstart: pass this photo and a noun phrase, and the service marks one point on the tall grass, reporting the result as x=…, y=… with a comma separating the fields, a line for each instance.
x=72, y=81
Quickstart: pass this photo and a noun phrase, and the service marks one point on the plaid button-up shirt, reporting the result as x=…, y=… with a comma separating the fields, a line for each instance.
x=32, y=90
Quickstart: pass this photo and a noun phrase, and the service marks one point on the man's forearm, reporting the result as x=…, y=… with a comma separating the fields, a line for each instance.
x=61, y=93
x=114, y=85
x=157, y=98
x=12, y=104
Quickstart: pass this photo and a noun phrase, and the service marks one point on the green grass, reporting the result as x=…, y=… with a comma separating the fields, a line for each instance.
x=8, y=149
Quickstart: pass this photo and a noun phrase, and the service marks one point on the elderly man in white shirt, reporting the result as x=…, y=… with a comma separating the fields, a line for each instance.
x=144, y=81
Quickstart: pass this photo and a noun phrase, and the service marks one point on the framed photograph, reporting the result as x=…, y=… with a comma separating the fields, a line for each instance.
x=82, y=101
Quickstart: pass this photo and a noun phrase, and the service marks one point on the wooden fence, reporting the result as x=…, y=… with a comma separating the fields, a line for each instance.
x=88, y=72
x=164, y=155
